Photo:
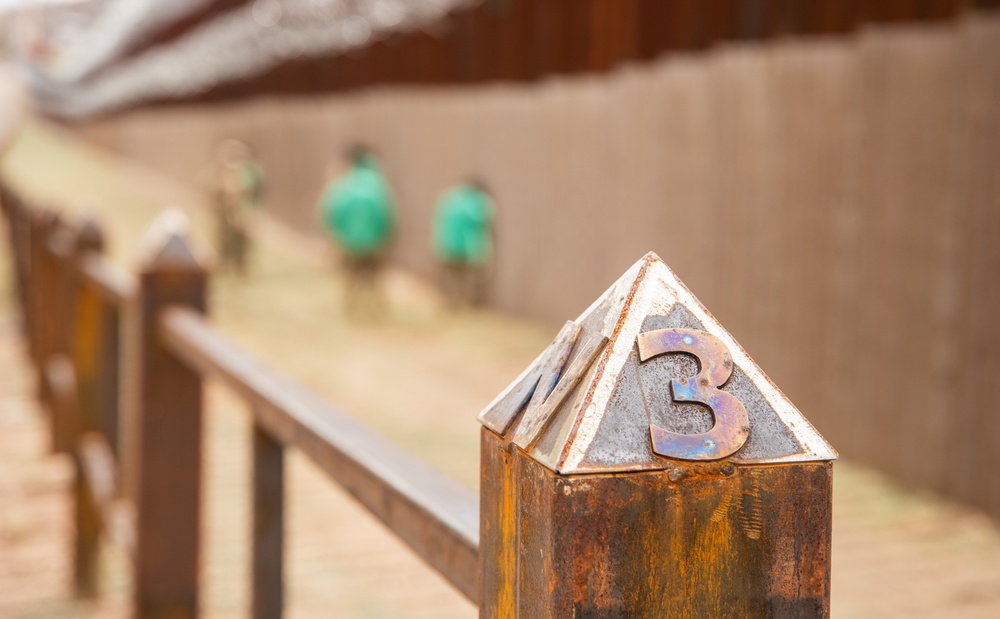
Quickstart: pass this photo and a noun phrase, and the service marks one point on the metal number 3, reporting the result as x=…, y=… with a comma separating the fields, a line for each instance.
x=732, y=426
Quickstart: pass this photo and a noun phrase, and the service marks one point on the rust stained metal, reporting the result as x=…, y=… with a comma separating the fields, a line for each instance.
x=615, y=509
x=752, y=544
x=731, y=424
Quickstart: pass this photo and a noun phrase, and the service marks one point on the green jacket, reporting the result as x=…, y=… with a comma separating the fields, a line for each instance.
x=463, y=223
x=252, y=183
x=358, y=210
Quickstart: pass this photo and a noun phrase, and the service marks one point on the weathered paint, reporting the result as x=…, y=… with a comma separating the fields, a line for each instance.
x=624, y=509
x=748, y=544
x=497, y=531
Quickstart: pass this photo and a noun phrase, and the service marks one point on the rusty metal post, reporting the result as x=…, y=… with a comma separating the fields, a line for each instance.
x=40, y=225
x=86, y=333
x=109, y=417
x=21, y=222
x=645, y=467
x=57, y=366
x=17, y=236
x=166, y=412
x=20, y=237
x=86, y=351
x=267, y=589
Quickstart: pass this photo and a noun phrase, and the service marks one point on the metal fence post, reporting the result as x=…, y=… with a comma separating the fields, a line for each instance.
x=167, y=430
x=57, y=365
x=86, y=336
x=109, y=418
x=18, y=237
x=644, y=466
x=266, y=587
x=20, y=225
x=40, y=225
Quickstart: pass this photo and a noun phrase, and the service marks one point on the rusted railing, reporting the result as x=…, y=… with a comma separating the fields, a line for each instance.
x=628, y=533
x=77, y=299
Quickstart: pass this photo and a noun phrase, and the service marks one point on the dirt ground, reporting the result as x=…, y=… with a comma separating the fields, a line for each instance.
x=419, y=377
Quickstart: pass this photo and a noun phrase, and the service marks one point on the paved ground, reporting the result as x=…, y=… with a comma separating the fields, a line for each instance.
x=419, y=378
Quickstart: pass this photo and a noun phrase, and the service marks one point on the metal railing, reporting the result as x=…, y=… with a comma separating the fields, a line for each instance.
x=110, y=346
x=75, y=301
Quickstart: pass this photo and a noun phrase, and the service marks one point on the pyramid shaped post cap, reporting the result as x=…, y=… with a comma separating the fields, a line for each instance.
x=46, y=217
x=62, y=241
x=166, y=245
x=90, y=236
x=609, y=395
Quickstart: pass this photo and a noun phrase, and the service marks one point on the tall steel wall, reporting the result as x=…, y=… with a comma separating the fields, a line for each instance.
x=835, y=202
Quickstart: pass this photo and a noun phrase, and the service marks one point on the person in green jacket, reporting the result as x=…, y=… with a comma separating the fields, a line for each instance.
x=463, y=241
x=358, y=212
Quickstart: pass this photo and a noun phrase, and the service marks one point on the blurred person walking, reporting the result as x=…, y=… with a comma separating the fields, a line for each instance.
x=239, y=189
x=463, y=241
x=358, y=212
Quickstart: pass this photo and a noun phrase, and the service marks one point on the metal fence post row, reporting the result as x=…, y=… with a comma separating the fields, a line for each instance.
x=644, y=466
x=167, y=410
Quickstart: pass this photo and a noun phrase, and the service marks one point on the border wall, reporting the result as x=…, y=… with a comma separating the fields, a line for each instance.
x=836, y=200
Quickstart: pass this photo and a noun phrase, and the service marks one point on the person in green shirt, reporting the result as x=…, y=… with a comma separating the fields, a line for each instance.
x=463, y=241
x=251, y=179
x=358, y=212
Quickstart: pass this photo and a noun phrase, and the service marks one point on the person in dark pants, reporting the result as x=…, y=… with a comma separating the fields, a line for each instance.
x=359, y=214
x=463, y=241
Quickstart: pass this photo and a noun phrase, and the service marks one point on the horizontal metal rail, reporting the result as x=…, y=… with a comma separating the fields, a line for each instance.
x=98, y=467
x=435, y=516
x=59, y=391
x=112, y=282
x=100, y=473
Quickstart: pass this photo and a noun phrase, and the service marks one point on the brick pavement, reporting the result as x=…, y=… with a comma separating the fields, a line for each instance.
x=419, y=379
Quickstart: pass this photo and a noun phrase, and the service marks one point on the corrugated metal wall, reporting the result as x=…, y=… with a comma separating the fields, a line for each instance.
x=836, y=203
x=526, y=40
